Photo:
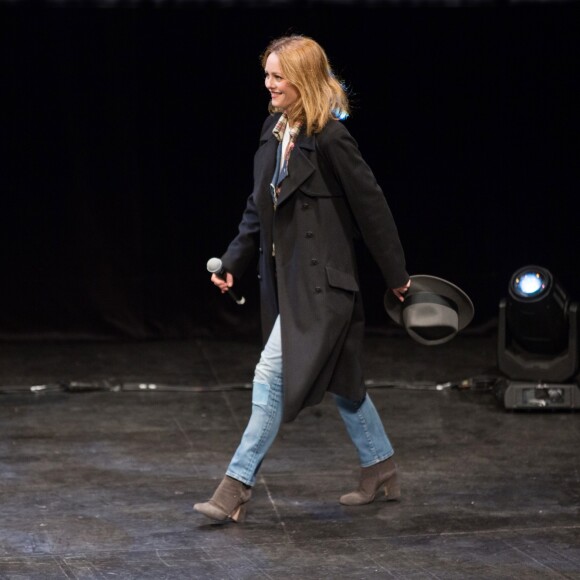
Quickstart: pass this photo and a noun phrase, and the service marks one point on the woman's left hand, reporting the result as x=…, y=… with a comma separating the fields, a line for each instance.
x=400, y=292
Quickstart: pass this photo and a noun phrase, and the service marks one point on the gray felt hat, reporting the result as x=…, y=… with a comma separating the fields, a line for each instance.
x=433, y=312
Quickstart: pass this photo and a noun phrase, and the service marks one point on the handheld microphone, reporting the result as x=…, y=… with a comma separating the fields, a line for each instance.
x=215, y=266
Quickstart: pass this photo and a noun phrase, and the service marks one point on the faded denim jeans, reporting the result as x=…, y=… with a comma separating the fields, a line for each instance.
x=362, y=421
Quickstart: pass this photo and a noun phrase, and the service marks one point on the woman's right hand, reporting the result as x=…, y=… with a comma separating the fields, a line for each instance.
x=223, y=285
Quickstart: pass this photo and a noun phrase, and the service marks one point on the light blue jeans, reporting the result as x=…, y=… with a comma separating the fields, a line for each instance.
x=362, y=421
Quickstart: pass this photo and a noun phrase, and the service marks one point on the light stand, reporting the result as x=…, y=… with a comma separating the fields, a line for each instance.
x=537, y=344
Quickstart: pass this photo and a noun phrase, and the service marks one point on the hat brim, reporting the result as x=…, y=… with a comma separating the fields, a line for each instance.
x=431, y=284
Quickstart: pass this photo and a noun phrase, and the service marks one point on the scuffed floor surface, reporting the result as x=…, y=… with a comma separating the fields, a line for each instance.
x=98, y=482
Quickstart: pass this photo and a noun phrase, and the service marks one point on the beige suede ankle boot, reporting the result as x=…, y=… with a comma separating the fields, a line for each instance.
x=228, y=501
x=383, y=474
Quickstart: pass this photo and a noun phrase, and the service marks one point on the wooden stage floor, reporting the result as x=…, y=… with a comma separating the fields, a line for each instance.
x=106, y=446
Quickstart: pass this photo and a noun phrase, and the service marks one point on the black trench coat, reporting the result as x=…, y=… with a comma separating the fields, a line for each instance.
x=329, y=197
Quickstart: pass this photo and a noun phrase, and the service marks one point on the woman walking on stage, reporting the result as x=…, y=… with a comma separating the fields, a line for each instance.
x=313, y=195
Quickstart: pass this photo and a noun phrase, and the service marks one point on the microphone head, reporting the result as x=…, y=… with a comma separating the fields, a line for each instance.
x=214, y=265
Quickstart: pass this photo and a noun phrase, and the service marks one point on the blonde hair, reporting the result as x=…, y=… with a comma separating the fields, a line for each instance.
x=305, y=64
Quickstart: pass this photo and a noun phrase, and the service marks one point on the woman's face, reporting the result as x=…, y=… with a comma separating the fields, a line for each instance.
x=283, y=93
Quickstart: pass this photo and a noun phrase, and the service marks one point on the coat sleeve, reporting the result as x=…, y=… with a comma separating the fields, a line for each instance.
x=243, y=247
x=366, y=200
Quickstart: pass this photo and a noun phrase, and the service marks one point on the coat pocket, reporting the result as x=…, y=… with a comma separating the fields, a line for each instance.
x=342, y=280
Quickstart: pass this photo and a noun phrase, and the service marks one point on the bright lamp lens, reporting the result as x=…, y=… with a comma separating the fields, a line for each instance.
x=529, y=284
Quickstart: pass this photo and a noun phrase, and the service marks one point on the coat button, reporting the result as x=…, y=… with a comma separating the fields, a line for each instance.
x=309, y=235
x=260, y=250
x=314, y=262
x=259, y=276
x=318, y=289
x=305, y=205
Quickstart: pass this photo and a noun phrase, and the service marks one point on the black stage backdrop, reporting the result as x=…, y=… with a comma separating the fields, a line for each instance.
x=128, y=132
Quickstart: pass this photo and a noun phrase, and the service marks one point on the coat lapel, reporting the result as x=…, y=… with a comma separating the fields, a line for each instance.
x=300, y=167
x=264, y=168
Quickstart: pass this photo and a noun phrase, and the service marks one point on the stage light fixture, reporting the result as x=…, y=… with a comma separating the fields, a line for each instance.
x=537, y=343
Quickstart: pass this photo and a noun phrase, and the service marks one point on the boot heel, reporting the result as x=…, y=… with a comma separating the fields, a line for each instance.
x=239, y=515
x=392, y=488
